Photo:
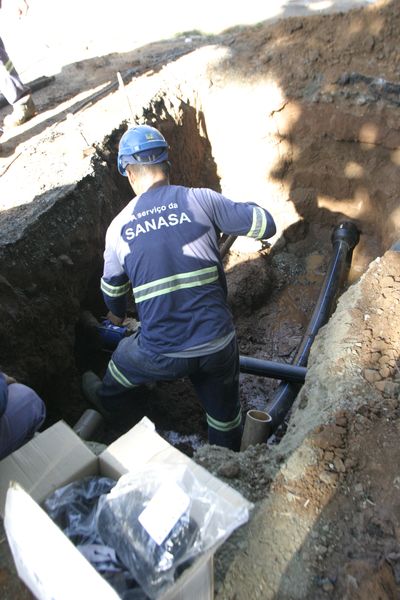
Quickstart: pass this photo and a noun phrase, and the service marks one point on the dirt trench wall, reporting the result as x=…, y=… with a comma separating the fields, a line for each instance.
x=51, y=266
x=46, y=275
x=311, y=158
x=346, y=163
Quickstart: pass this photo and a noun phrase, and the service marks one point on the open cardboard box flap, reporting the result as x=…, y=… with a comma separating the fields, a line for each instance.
x=142, y=445
x=51, y=459
x=45, y=559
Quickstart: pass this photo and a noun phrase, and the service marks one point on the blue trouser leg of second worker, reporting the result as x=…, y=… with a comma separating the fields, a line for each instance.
x=24, y=415
x=215, y=378
x=11, y=85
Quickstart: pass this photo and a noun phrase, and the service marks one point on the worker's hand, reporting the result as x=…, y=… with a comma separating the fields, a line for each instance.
x=9, y=379
x=131, y=324
x=114, y=319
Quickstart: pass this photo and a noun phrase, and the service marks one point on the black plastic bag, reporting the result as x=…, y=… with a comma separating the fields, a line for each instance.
x=73, y=508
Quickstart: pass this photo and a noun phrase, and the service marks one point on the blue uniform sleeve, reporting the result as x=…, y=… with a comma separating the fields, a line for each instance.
x=114, y=284
x=239, y=218
x=3, y=394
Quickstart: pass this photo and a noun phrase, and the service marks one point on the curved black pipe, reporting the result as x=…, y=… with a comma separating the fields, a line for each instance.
x=275, y=370
x=344, y=238
x=226, y=245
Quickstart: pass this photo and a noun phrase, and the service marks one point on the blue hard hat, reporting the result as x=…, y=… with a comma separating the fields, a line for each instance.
x=141, y=145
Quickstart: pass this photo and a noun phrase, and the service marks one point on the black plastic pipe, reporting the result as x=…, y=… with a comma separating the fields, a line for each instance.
x=344, y=238
x=275, y=370
x=226, y=244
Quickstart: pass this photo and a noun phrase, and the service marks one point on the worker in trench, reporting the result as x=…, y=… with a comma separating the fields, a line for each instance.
x=164, y=245
x=22, y=412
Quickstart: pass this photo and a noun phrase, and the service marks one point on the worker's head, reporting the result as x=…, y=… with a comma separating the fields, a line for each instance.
x=141, y=145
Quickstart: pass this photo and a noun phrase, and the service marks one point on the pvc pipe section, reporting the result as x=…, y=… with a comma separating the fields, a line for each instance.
x=256, y=428
x=344, y=238
x=88, y=424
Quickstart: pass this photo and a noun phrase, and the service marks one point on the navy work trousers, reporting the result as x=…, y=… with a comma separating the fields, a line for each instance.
x=24, y=414
x=11, y=85
x=215, y=378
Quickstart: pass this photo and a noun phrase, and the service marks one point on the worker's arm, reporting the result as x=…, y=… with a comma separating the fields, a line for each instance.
x=114, y=284
x=240, y=218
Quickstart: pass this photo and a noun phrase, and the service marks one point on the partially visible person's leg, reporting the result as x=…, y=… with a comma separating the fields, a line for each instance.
x=215, y=378
x=217, y=385
x=130, y=367
x=11, y=85
x=15, y=92
x=24, y=415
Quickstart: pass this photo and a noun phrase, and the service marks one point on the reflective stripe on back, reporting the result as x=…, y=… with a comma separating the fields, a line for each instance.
x=181, y=281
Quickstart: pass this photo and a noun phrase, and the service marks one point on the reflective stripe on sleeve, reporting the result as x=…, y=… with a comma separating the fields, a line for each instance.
x=181, y=281
x=9, y=66
x=259, y=224
x=225, y=426
x=114, y=290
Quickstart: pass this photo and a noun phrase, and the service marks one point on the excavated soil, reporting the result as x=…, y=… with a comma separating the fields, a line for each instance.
x=301, y=116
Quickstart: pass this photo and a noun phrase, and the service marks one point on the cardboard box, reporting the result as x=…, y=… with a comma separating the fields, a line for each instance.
x=50, y=460
x=46, y=560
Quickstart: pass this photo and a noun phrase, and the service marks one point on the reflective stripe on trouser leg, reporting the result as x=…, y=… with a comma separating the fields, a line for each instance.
x=225, y=434
x=118, y=376
x=223, y=425
x=11, y=85
x=131, y=366
x=116, y=388
x=217, y=385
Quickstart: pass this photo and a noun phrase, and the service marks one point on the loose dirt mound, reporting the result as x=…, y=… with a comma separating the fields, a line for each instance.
x=329, y=521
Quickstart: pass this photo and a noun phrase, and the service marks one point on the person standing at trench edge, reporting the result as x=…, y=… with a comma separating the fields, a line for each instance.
x=15, y=92
x=164, y=244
